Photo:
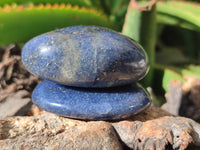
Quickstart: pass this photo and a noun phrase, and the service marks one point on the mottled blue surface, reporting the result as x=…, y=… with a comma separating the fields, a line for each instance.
x=85, y=56
x=90, y=103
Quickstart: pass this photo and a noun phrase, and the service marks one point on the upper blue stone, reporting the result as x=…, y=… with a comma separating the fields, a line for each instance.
x=85, y=56
x=91, y=103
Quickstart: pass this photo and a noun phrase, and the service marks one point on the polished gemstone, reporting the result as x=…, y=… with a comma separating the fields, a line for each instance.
x=86, y=56
x=91, y=103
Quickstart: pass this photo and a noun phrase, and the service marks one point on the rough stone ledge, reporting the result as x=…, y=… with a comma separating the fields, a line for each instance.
x=152, y=129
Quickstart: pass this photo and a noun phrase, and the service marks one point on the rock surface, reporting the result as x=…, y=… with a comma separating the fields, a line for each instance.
x=51, y=132
x=175, y=132
x=91, y=104
x=86, y=56
x=157, y=130
x=184, y=98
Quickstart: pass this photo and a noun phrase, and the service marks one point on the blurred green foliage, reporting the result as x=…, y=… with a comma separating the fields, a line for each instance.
x=169, y=32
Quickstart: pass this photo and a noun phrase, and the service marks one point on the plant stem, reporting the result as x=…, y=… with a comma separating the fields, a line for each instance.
x=148, y=39
x=141, y=26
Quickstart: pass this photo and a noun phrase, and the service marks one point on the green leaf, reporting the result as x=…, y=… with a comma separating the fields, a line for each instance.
x=168, y=75
x=20, y=24
x=180, y=13
x=174, y=21
x=186, y=72
x=176, y=73
x=37, y=2
x=194, y=68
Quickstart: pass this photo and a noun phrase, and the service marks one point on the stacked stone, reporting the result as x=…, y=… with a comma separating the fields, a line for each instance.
x=89, y=73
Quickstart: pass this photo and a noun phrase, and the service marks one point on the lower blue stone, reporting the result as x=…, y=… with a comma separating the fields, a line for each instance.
x=91, y=104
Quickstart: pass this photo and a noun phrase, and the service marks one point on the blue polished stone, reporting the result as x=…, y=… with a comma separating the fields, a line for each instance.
x=91, y=103
x=85, y=56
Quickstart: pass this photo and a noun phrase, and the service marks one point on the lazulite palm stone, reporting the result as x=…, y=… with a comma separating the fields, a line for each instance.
x=85, y=56
x=90, y=103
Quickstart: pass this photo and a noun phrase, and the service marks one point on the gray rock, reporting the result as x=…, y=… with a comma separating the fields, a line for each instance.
x=15, y=104
x=49, y=131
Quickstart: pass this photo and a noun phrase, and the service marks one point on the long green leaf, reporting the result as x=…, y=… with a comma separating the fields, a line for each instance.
x=37, y=2
x=180, y=13
x=18, y=24
x=174, y=21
